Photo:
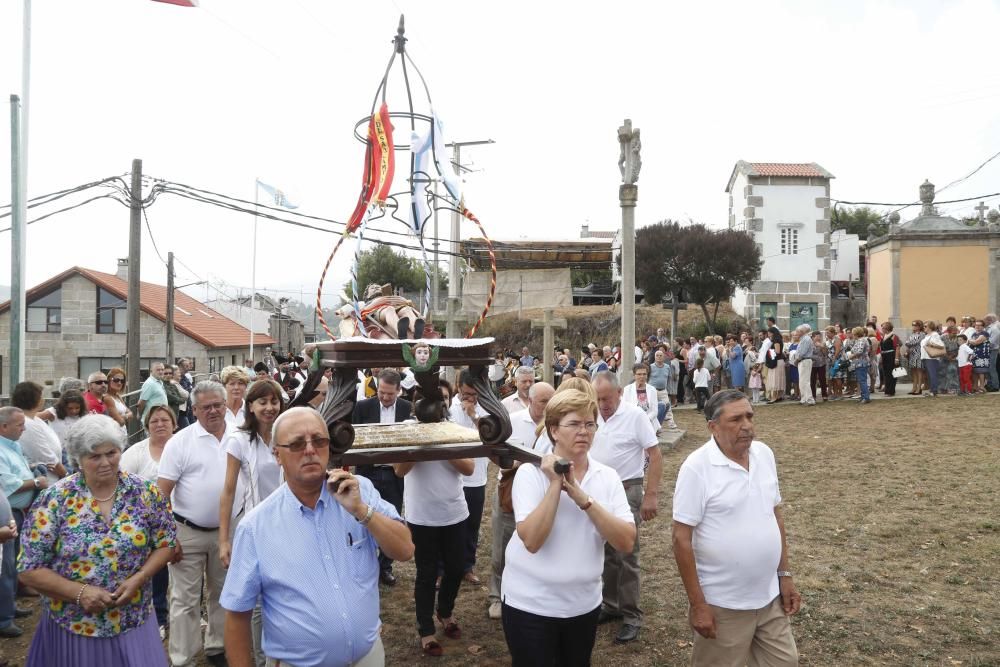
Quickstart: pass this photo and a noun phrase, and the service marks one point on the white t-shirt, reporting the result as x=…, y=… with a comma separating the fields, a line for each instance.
x=61, y=427
x=478, y=476
x=622, y=441
x=524, y=433
x=259, y=469
x=513, y=403
x=964, y=355
x=702, y=377
x=737, y=544
x=541, y=583
x=196, y=462
x=932, y=337
x=234, y=421
x=40, y=445
x=137, y=461
x=433, y=496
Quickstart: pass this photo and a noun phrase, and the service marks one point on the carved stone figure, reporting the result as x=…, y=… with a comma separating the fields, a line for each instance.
x=629, y=160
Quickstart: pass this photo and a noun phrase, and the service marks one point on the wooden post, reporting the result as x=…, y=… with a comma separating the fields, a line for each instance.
x=547, y=324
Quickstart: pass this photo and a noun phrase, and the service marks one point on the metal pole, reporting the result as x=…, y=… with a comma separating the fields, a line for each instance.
x=132, y=301
x=17, y=246
x=435, y=291
x=170, y=307
x=253, y=269
x=454, y=285
x=25, y=90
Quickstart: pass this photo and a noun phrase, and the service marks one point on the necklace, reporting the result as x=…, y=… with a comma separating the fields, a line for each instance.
x=104, y=500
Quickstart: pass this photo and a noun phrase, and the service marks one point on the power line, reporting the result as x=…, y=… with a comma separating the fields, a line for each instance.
x=151, y=238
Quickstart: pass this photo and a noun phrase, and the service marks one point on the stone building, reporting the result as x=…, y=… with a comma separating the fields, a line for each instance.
x=76, y=324
x=786, y=207
x=934, y=266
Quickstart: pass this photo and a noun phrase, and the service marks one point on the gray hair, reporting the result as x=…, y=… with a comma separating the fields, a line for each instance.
x=94, y=375
x=71, y=384
x=524, y=370
x=538, y=386
x=610, y=377
x=91, y=432
x=7, y=413
x=719, y=399
x=207, y=387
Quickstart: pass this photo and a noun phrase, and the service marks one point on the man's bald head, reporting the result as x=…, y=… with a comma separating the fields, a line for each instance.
x=294, y=414
x=539, y=394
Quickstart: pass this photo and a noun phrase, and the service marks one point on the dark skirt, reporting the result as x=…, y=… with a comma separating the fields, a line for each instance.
x=139, y=647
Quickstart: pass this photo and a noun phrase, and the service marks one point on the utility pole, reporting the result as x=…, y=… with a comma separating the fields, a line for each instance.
x=628, y=194
x=435, y=290
x=133, y=301
x=454, y=276
x=19, y=214
x=170, y=307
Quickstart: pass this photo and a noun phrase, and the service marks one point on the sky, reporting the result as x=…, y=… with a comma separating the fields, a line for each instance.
x=883, y=94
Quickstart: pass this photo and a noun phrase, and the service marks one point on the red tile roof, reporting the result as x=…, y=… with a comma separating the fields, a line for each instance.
x=191, y=317
x=788, y=169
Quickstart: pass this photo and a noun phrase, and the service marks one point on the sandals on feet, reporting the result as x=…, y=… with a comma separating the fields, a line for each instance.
x=451, y=630
x=432, y=648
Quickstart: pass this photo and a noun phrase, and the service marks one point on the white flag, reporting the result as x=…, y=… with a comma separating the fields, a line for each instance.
x=279, y=197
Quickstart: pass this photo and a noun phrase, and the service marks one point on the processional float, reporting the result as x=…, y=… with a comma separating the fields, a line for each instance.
x=376, y=333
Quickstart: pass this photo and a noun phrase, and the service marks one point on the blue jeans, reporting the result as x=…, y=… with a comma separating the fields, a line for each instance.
x=994, y=382
x=931, y=368
x=661, y=412
x=861, y=373
x=8, y=577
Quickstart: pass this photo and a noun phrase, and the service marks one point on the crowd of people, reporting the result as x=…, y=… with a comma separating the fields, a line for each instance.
x=224, y=534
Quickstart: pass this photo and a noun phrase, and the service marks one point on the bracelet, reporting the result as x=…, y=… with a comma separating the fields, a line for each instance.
x=784, y=573
x=586, y=505
x=80, y=594
x=368, y=516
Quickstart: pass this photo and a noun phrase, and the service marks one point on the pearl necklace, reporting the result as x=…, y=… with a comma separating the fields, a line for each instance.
x=104, y=500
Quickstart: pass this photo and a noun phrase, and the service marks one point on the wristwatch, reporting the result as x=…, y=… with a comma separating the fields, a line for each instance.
x=784, y=573
x=37, y=483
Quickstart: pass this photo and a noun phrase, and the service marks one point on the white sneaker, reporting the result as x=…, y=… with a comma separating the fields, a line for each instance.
x=496, y=611
x=163, y=632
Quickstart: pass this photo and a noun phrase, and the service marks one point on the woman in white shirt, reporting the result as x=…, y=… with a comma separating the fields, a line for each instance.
x=931, y=339
x=143, y=459
x=436, y=512
x=550, y=608
x=66, y=412
x=39, y=443
x=236, y=379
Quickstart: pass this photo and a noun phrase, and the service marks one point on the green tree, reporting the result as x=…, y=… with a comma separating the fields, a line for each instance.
x=857, y=220
x=382, y=265
x=584, y=277
x=706, y=266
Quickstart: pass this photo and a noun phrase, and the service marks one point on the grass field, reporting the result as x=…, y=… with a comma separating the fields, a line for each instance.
x=893, y=518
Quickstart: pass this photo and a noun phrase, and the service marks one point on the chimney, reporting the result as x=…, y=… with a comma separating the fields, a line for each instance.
x=122, y=268
x=584, y=231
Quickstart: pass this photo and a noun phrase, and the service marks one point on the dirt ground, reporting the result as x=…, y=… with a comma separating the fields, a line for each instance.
x=894, y=532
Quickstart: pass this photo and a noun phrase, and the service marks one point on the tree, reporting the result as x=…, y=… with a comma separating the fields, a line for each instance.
x=707, y=266
x=857, y=220
x=584, y=277
x=382, y=265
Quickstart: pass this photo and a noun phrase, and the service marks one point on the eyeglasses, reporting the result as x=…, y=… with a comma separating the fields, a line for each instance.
x=211, y=407
x=590, y=427
x=300, y=445
x=99, y=382
x=117, y=380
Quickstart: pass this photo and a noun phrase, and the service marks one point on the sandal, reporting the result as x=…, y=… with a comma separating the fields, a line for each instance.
x=451, y=630
x=472, y=578
x=431, y=648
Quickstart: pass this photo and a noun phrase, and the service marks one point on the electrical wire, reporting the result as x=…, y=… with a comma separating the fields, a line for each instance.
x=151, y=238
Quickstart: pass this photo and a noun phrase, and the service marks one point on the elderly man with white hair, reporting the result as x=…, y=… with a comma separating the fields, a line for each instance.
x=804, y=356
x=192, y=474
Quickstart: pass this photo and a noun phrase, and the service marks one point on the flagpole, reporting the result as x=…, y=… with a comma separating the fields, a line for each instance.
x=253, y=270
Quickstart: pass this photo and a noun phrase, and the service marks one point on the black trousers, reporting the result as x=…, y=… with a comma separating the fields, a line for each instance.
x=475, y=498
x=701, y=393
x=681, y=380
x=544, y=641
x=433, y=544
x=390, y=488
x=888, y=380
x=818, y=374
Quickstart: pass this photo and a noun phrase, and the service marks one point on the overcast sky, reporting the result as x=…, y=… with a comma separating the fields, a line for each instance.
x=882, y=94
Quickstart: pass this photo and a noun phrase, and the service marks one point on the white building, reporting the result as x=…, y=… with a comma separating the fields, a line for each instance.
x=845, y=256
x=786, y=207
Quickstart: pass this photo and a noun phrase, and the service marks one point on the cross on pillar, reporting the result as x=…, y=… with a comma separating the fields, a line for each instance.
x=547, y=324
x=981, y=209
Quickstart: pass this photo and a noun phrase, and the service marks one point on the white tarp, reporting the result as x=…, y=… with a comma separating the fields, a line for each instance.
x=518, y=290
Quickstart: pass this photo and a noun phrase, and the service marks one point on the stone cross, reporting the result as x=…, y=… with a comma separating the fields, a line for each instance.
x=547, y=324
x=982, y=208
x=629, y=162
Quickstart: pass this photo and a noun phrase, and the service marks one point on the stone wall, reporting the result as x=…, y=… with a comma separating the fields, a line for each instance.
x=786, y=293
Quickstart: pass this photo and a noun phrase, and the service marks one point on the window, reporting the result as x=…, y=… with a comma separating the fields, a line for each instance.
x=45, y=313
x=789, y=241
x=111, y=317
x=88, y=365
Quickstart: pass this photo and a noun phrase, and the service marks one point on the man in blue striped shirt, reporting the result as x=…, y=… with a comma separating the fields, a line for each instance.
x=311, y=554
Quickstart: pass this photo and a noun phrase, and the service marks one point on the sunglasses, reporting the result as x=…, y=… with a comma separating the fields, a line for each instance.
x=300, y=445
x=117, y=380
x=99, y=382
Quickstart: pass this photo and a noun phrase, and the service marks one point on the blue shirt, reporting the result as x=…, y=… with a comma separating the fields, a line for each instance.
x=317, y=573
x=14, y=471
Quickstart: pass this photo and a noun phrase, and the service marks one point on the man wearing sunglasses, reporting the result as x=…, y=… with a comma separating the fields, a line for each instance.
x=309, y=552
x=97, y=386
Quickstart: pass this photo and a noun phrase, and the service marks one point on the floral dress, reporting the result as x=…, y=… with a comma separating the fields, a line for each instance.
x=981, y=358
x=837, y=371
x=64, y=532
x=913, y=349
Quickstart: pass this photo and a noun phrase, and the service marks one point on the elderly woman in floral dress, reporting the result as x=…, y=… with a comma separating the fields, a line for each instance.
x=912, y=344
x=91, y=545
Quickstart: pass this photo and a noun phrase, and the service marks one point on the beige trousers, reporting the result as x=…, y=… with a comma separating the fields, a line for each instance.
x=621, y=571
x=200, y=565
x=374, y=658
x=756, y=638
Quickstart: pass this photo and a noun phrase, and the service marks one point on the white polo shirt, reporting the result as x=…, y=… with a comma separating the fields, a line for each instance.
x=433, y=496
x=622, y=441
x=737, y=544
x=524, y=427
x=478, y=476
x=563, y=578
x=513, y=403
x=196, y=462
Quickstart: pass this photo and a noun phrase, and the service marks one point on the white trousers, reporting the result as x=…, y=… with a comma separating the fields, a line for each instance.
x=200, y=565
x=805, y=388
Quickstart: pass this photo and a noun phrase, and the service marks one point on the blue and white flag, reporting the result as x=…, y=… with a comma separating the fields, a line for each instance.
x=279, y=197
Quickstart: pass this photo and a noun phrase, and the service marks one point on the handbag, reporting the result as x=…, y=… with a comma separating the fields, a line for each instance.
x=899, y=372
x=935, y=351
x=505, y=490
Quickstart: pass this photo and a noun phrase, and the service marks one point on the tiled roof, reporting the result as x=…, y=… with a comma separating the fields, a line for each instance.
x=778, y=170
x=191, y=317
